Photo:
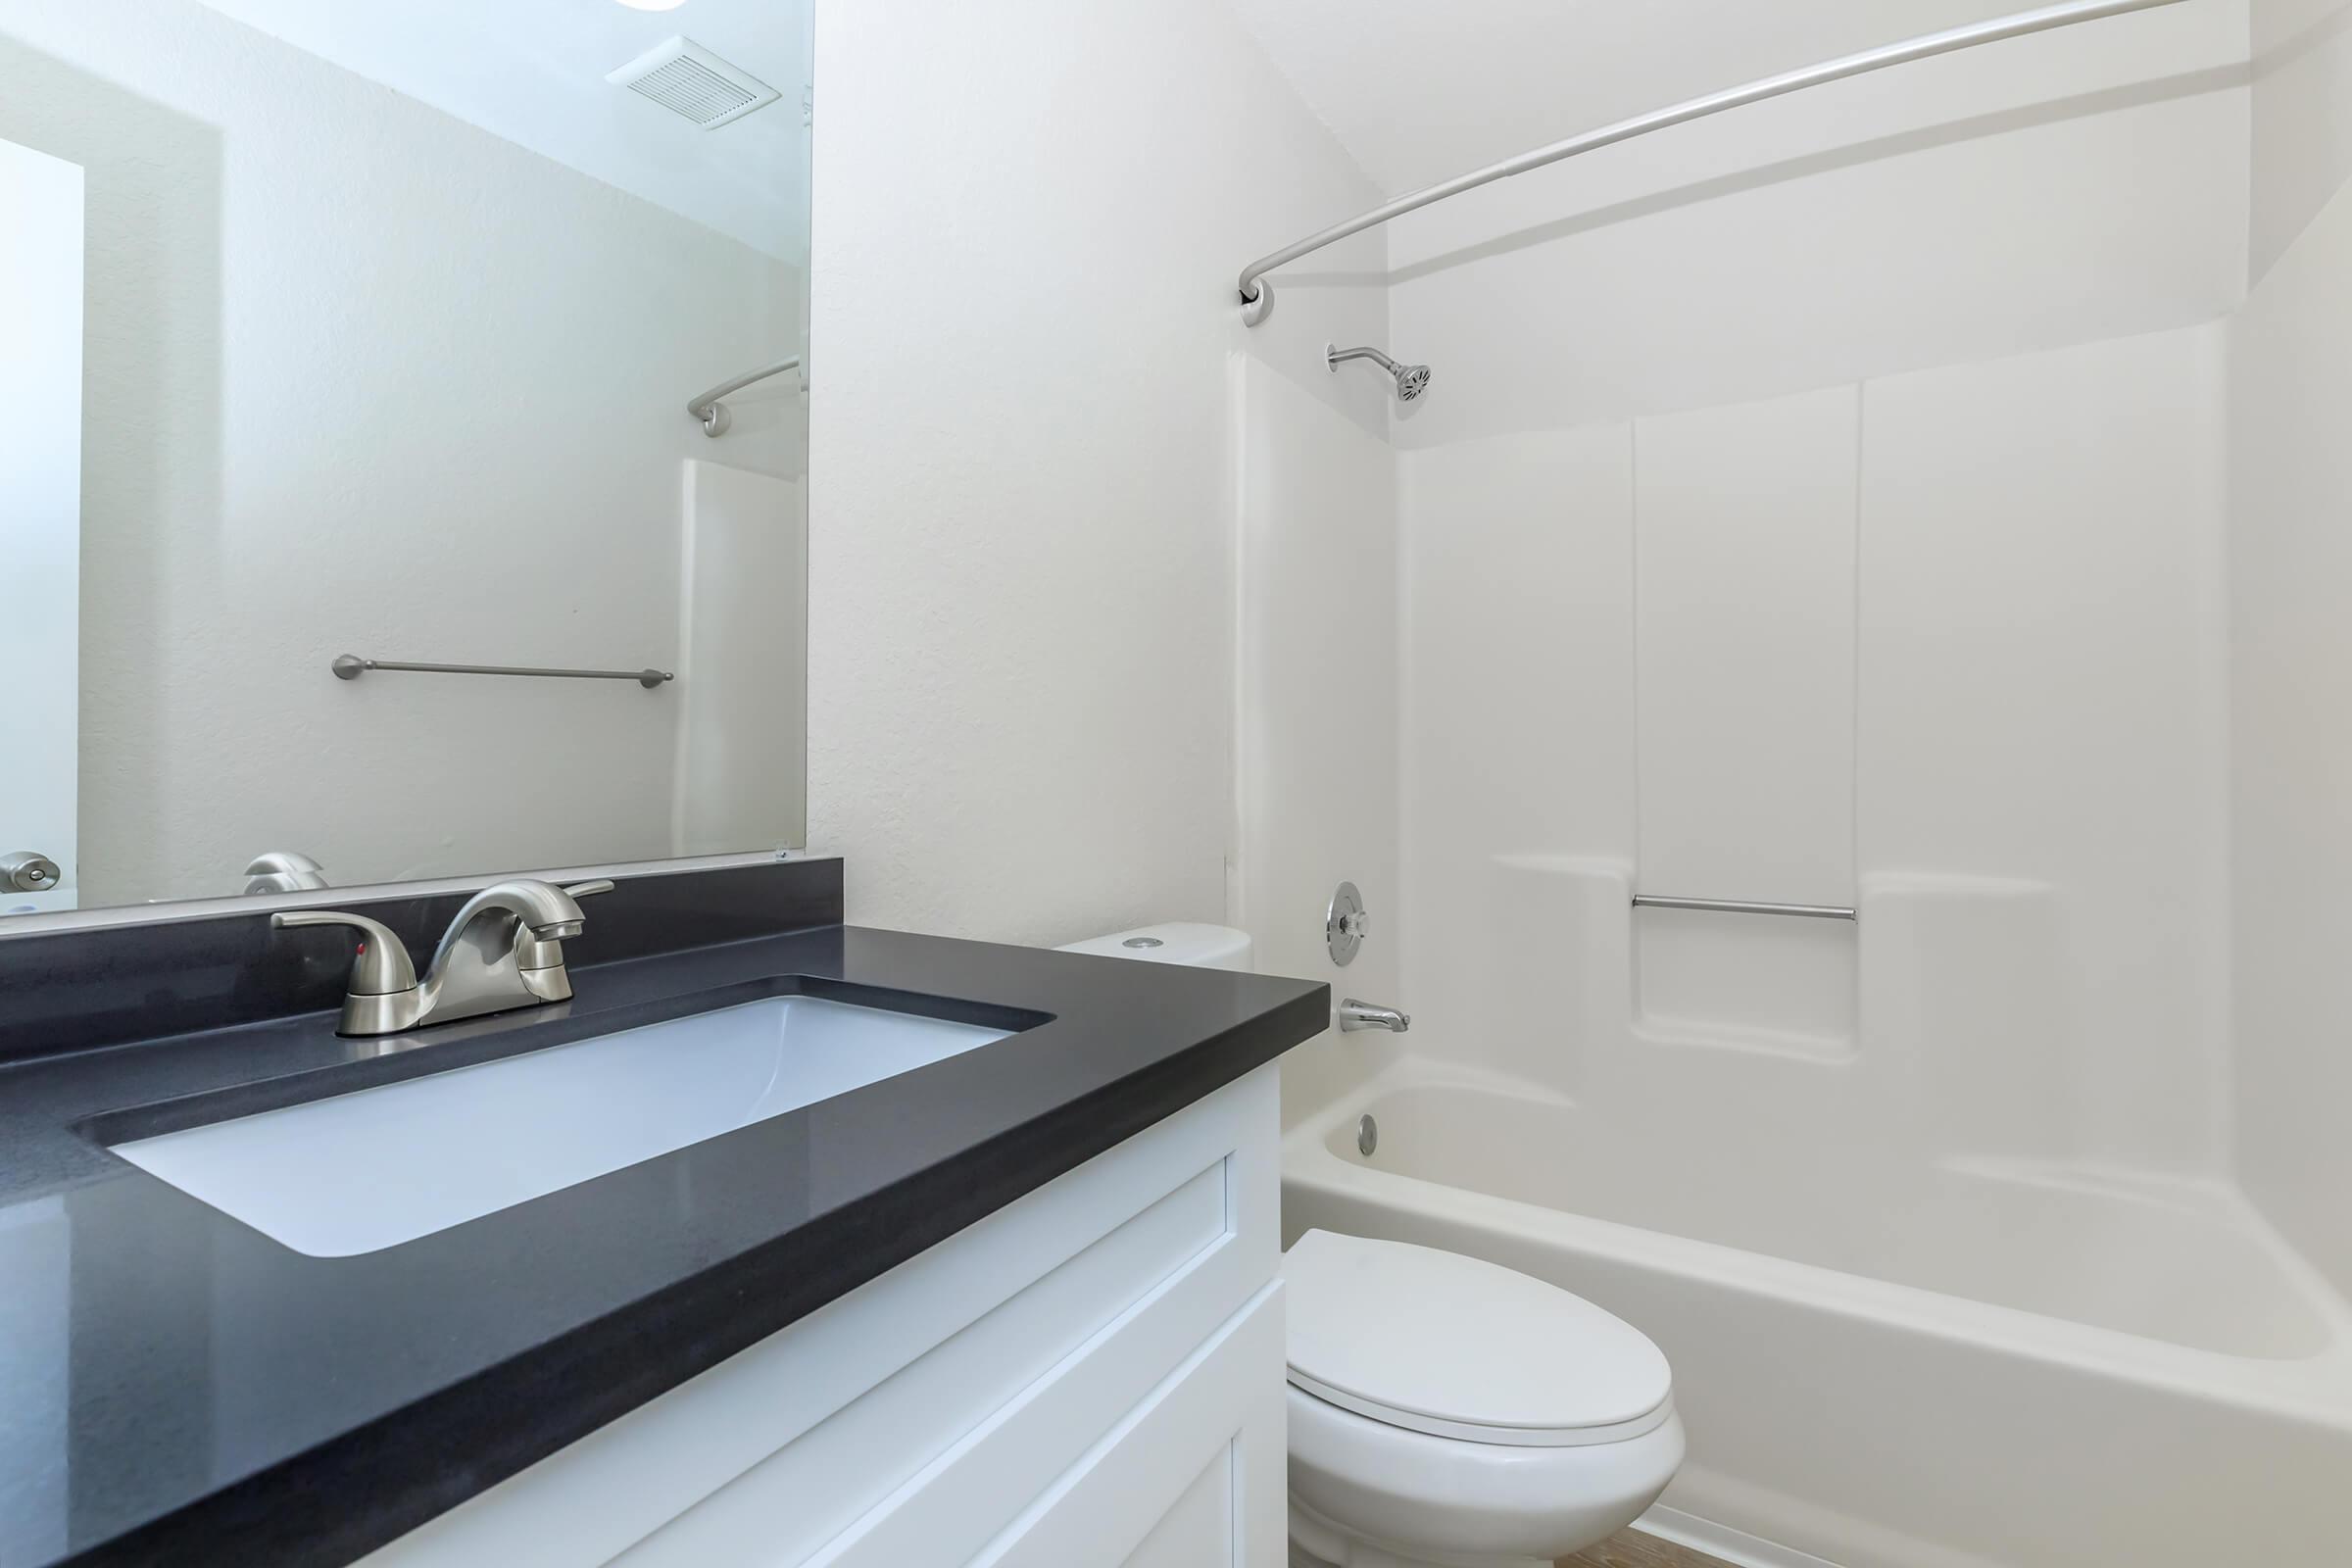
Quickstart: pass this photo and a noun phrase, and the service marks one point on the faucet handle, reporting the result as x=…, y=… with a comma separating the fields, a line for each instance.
x=381, y=966
x=580, y=890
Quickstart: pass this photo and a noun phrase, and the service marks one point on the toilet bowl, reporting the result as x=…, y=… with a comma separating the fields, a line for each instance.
x=1446, y=1412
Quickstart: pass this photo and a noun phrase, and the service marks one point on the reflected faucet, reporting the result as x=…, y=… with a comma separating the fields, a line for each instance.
x=505, y=950
x=284, y=871
x=1354, y=1016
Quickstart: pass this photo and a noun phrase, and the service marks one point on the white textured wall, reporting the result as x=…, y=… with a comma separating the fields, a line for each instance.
x=1318, y=747
x=2291, y=571
x=2078, y=186
x=1027, y=219
x=362, y=377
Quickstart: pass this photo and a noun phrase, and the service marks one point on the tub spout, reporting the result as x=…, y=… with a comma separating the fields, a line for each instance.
x=1354, y=1016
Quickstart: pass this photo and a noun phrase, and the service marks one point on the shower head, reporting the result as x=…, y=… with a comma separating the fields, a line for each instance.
x=1411, y=379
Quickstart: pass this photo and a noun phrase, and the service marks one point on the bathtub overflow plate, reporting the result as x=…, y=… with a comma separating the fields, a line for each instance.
x=1345, y=924
x=1367, y=1136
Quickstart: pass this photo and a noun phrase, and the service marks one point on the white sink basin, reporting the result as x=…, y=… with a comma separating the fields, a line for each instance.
x=372, y=1169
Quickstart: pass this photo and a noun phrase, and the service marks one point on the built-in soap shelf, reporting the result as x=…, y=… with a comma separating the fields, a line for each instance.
x=1969, y=989
x=1729, y=979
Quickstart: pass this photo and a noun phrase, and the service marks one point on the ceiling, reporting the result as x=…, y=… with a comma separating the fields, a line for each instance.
x=1418, y=92
x=533, y=73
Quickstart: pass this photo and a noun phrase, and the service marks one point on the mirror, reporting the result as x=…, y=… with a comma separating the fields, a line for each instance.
x=338, y=335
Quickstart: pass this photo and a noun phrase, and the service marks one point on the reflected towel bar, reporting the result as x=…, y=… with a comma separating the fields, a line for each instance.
x=350, y=666
x=1803, y=911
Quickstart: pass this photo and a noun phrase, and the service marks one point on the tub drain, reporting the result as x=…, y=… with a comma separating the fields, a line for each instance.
x=1367, y=1137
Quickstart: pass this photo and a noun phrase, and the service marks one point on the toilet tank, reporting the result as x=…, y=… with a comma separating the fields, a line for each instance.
x=1185, y=942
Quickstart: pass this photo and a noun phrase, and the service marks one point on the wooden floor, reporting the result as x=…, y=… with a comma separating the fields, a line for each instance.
x=1634, y=1549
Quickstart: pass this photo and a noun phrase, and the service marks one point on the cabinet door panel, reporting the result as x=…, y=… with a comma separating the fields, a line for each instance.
x=1197, y=1532
x=1221, y=1413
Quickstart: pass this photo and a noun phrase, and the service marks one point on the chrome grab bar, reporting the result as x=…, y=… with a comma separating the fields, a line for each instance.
x=1803, y=911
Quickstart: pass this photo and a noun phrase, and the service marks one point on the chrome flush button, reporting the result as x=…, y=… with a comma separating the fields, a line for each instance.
x=1143, y=942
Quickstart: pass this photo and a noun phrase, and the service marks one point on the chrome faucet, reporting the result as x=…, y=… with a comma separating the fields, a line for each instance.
x=1354, y=1016
x=504, y=950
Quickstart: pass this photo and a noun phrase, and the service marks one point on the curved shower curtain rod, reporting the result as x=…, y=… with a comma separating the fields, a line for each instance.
x=1258, y=294
x=713, y=414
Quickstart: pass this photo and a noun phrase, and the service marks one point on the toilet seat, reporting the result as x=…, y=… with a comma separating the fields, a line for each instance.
x=1454, y=1346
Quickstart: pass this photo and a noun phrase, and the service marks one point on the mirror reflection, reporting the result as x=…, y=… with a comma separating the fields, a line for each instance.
x=405, y=439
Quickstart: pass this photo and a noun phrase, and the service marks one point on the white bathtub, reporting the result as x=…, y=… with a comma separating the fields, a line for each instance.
x=1944, y=1365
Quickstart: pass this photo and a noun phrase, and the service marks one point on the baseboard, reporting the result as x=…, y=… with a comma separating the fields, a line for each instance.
x=1734, y=1546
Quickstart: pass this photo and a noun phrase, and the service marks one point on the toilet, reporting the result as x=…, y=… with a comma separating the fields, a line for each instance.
x=1445, y=1411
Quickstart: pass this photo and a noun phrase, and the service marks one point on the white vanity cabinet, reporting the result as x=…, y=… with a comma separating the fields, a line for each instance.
x=1091, y=1375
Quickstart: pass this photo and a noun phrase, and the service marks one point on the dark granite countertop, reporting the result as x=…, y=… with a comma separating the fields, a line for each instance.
x=177, y=1387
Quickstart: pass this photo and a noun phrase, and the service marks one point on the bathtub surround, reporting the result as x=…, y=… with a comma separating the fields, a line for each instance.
x=1909, y=678
x=2290, y=567
x=1746, y=540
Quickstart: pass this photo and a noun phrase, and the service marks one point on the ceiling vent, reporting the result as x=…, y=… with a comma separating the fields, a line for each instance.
x=688, y=80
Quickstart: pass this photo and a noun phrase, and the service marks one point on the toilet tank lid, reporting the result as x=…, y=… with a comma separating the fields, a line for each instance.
x=1436, y=1342
x=1186, y=942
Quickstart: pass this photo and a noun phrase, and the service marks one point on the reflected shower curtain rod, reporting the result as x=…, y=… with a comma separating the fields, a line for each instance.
x=713, y=414
x=1258, y=294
